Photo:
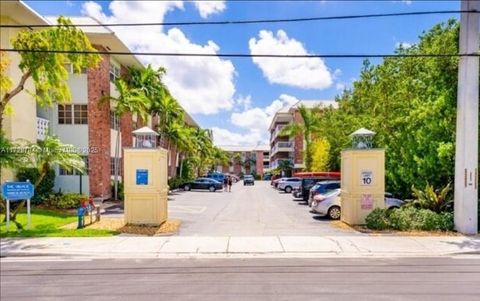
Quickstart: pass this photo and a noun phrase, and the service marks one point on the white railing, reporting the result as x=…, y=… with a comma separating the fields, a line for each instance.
x=276, y=132
x=42, y=128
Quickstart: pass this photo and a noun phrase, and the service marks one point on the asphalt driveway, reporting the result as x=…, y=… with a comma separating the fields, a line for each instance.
x=257, y=210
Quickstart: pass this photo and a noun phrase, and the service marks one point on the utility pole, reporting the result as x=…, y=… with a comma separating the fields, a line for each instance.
x=466, y=149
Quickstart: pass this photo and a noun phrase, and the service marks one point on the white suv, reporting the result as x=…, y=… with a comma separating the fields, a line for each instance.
x=288, y=184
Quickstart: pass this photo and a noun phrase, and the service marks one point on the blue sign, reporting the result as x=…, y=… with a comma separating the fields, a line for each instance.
x=142, y=177
x=14, y=191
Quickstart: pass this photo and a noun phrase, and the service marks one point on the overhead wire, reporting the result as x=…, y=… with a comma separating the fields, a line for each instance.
x=244, y=55
x=238, y=22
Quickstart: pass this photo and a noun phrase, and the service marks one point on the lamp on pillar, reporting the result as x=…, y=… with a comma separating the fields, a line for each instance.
x=145, y=138
x=362, y=139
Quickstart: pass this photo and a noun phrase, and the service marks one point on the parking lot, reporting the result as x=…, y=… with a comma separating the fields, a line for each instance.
x=257, y=210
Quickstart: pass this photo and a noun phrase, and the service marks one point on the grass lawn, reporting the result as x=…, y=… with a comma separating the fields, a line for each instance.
x=46, y=223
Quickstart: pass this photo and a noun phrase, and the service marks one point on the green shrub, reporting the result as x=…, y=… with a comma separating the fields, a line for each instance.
x=69, y=200
x=378, y=219
x=410, y=218
x=438, y=200
x=175, y=182
x=120, y=191
x=44, y=189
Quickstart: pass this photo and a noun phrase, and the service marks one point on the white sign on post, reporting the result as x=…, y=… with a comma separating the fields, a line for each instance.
x=366, y=177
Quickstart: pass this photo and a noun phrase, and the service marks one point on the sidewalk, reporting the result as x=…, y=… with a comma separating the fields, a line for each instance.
x=224, y=247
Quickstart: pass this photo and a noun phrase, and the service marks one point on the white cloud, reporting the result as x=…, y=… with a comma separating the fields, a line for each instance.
x=206, y=8
x=201, y=85
x=308, y=73
x=404, y=45
x=340, y=86
x=226, y=137
x=244, y=103
x=257, y=120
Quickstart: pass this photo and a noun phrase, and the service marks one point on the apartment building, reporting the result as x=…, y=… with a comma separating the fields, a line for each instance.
x=247, y=160
x=90, y=127
x=284, y=148
x=22, y=124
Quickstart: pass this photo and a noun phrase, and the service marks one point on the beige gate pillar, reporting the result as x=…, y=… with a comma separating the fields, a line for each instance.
x=363, y=179
x=145, y=180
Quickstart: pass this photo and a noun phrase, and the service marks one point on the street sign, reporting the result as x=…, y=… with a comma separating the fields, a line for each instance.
x=14, y=191
x=366, y=178
x=366, y=203
x=142, y=177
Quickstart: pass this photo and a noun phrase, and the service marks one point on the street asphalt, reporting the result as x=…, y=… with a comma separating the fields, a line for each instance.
x=447, y=278
x=257, y=210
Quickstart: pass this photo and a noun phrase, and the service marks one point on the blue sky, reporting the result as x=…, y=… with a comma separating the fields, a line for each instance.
x=237, y=97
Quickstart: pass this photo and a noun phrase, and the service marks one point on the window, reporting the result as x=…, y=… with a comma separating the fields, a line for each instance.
x=114, y=72
x=69, y=68
x=72, y=114
x=64, y=114
x=80, y=114
x=114, y=121
x=112, y=166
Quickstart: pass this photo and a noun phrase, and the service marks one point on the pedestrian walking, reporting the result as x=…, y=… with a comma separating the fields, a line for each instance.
x=225, y=183
x=230, y=182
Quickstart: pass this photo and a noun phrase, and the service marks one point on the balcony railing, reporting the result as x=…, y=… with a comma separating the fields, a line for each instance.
x=276, y=132
x=42, y=128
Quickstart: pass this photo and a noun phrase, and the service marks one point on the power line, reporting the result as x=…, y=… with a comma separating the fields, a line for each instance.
x=245, y=55
x=258, y=21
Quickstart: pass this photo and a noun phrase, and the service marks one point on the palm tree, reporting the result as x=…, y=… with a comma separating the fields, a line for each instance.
x=310, y=124
x=204, y=146
x=9, y=156
x=130, y=100
x=48, y=153
x=284, y=166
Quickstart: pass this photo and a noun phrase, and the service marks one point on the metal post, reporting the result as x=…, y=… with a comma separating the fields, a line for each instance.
x=466, y=152
x=81, y=188
x=8, y=215
x=29, y=218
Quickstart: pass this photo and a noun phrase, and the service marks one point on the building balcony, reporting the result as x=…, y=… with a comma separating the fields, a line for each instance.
x=276, y=132
x=282, y=147
x=42, y=128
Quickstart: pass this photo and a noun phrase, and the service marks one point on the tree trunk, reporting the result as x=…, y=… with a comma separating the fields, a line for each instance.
x=8, y=96
x=181, y=164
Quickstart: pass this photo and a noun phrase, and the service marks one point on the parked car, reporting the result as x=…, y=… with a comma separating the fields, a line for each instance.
x=248, y=180
x=303, y=191
x=330, y=204
x=274, y=182
x=322, y=187
x=218, y=176
x=203, y=183
x=289, y=184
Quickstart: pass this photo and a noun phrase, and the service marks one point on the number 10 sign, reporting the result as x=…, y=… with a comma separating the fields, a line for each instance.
x=366, y=177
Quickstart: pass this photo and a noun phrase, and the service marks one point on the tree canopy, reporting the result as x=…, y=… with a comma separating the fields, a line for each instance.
x=410, y=102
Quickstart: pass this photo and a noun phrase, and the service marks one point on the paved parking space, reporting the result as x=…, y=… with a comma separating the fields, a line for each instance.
x=257, y=210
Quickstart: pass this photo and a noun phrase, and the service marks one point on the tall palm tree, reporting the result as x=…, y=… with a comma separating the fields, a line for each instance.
x=130, y=100
x=307, y=128
x=48, y=153
x=204, y=147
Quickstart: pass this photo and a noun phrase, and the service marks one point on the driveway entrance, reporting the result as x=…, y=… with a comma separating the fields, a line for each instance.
x=257, y=210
